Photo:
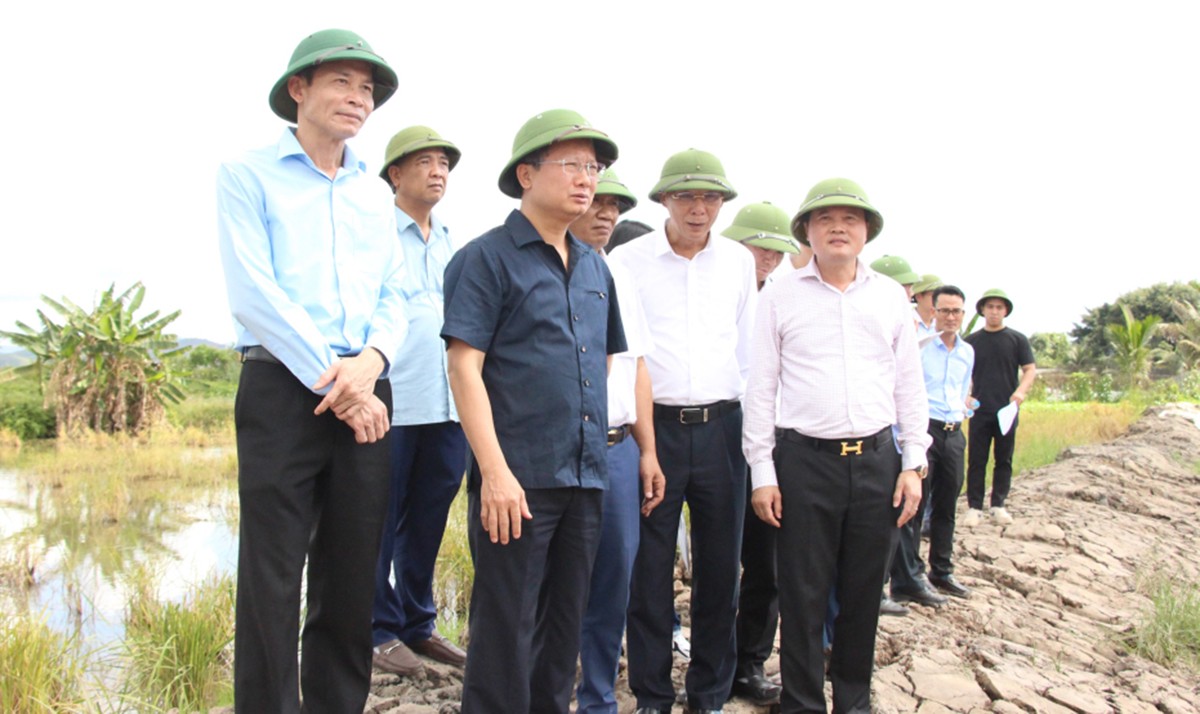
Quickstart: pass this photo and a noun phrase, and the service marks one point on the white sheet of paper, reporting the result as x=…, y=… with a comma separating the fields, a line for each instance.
x=1006, y=416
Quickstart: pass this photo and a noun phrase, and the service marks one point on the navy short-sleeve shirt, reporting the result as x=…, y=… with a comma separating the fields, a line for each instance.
x=546, y=331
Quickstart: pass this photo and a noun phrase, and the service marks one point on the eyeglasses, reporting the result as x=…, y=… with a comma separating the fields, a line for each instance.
x=710, y=198
x=950, y=311
x=574, y=168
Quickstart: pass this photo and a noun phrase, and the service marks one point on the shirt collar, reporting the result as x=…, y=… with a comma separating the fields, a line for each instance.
x=289, y=145
x=405, y=221
x=662, y=246
x=861, y=272
x=523, y=233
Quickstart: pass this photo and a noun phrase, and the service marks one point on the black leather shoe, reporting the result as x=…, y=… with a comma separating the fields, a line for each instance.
x=652, y=710
x=888, y=606
x=758, y=689
x=921, y=596
x=950, y=586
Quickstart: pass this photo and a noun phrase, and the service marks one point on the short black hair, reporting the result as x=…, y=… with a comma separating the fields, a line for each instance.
x=948, y=290
x=626, y=231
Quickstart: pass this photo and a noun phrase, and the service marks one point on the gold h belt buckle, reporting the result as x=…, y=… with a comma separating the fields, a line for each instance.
x=847, y=449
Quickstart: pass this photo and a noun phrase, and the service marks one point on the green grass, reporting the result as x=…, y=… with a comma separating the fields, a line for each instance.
x=103, y=479
x=455, y=573
x=179, y=654
x=1046, y=428
x=1169, y=633
x=40, y=669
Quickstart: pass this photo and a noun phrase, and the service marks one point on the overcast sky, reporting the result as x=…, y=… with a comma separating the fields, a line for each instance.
x=1046, y=148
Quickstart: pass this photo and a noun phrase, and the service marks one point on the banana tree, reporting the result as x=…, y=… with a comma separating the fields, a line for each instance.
x=103, y=369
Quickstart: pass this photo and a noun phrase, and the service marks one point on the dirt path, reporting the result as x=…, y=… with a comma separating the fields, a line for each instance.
x=1053, y=594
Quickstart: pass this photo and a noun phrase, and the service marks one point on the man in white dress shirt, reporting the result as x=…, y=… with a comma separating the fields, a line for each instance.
x=635, y=481
x=698, y=293
x=835, y=339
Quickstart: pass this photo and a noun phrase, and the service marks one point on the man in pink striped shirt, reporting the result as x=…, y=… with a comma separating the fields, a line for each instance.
x=835, y=339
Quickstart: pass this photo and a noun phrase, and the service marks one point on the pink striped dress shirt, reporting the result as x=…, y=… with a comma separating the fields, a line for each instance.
x=843, y=365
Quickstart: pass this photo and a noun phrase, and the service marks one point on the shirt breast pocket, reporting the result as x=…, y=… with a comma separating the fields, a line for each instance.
x=589, y=308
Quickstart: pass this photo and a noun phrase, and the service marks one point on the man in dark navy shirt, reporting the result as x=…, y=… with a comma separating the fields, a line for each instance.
x=531, y=320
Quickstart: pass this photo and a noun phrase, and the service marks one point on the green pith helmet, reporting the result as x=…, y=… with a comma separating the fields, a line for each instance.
x=331, y=46
x=762, y=225
x=609, y=185
x=927, y=283
x=836, y=192
x=548, y=128
x=897, y=269
x=693, y=170
x=414, y=139
x=993, y=293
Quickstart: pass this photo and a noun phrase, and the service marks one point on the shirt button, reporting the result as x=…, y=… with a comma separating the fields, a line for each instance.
x=586, y=417
x=583, y=349
x=575, y=317
x=587, y=382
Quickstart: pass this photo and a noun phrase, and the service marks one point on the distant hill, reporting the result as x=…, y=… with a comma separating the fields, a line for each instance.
x=13, y=357
x=193, y=341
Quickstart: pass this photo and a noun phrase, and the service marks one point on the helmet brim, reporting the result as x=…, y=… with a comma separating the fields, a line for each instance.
x=385, y=78
x=606, y=152
x=874, y=217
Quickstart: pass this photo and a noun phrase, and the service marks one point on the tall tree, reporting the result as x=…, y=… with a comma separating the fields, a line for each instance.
x=1091, y=336
x=1184, y=334
x=1131, y=345
x=102, y=369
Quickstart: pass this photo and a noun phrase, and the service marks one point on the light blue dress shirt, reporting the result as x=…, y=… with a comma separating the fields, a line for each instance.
x=420, y=384
x=311, y=263
x=947, y=378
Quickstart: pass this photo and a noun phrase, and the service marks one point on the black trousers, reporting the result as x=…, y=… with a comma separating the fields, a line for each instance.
x=838, y=527
x=945, y=457
x=985, y=436
x=758, y=601
x=306, y=489
x=527, y=603
x=940, y=488
x=703, y=464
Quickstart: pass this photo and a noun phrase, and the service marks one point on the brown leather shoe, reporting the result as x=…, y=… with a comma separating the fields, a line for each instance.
x=394, y=657
x=440, y=649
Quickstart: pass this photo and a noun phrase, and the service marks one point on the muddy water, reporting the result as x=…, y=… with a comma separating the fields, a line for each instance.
x=81, y=574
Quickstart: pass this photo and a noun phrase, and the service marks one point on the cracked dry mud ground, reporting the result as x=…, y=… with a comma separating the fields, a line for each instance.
x=1053, y=593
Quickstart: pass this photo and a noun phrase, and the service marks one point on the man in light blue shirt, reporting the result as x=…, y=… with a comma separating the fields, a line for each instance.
x=429, y=450
x=947, y=363
x=314, y=283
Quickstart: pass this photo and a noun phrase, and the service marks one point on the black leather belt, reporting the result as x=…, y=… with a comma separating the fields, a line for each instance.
x=617, y=434
x=696, y=415
x=258, y=353
x=841, y=447
x=946, y=425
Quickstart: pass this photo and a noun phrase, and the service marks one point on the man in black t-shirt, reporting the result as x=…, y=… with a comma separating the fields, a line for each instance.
x=1000, y=354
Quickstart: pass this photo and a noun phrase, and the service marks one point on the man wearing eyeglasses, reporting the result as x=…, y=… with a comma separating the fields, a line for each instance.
x=635, y=480
x=947, y=363
x=429, y=450
x=699, y=295
x=531, y=322
x=313, y=272
x=834, y=341
x=763, y=229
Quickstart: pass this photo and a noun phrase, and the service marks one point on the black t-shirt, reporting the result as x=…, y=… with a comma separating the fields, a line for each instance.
x=998, y=359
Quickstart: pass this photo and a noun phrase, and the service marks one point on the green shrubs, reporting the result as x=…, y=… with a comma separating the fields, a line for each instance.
x=1170, y=632
x=27, y=420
